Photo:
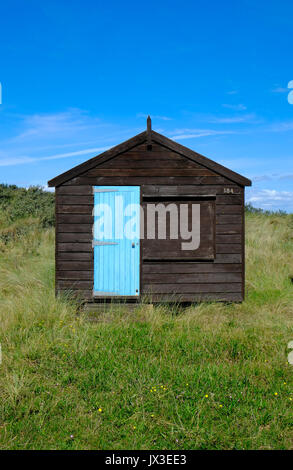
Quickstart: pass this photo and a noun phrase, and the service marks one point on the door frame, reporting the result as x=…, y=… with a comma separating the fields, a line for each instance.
x=113, y=298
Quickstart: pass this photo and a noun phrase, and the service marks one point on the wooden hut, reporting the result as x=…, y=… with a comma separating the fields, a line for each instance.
x=153, y=171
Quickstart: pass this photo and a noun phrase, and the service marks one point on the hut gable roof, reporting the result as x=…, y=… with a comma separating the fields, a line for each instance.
x=148, y=137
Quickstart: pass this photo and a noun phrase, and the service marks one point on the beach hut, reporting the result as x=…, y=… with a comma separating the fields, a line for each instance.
x=150, y=220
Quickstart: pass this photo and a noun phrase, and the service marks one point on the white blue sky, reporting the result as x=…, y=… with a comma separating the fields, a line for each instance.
x=80, y=76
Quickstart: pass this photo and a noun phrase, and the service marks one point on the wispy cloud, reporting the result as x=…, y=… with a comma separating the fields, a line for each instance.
x=279, y=89
x=267, y=177
x=232, y=92
x=61, y=125
x=281, y=126
x=22, y=160
x=180, y=134
x=236, y=107
x=259, y=178
x=232, y=119
x=74, y=129
x=287, y=177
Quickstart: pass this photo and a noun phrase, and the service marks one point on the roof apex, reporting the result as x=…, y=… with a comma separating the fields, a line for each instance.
x=150, y=136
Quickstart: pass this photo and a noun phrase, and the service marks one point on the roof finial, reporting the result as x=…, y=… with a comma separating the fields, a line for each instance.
x=149, y=133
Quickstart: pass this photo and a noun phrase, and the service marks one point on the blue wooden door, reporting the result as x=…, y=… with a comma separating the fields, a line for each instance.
x=116, y=241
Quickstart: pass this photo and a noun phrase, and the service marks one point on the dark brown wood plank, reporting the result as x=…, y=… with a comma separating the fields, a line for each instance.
x=76, y=256
x=210, y=297
x=229, y=219
x=171, y=249
x=195, y=278
x=72, y=247
x=228, y=209
x=142, y=149
x=75, y=219
x=133, y=180
x=188, y=267
x=228, y=229
x=72, y=200
x=75, y=190
x=228, y=258
x=74, y=237
x=229, y=248
x=75, y=285
x=223, y=238
x=229, y=199
x=151, y=172
x=76, y=228
x=153, y=189
x=76, y=275
x=135, y=155
x=76, y=209
x=191, y=288
x=85, y=265
x=152, y=161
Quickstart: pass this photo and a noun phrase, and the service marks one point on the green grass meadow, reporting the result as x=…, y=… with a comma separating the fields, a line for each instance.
x=210, y=376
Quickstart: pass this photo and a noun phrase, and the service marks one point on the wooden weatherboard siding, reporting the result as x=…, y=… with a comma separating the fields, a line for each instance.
x=165, y=171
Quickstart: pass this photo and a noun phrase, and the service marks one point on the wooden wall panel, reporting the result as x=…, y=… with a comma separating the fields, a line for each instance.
x=165, y=249
x=74, y=206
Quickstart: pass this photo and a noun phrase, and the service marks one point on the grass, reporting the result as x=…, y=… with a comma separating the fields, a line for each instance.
x=212, y=376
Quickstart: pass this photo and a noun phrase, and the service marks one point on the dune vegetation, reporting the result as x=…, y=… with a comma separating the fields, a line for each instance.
x=207, y=376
